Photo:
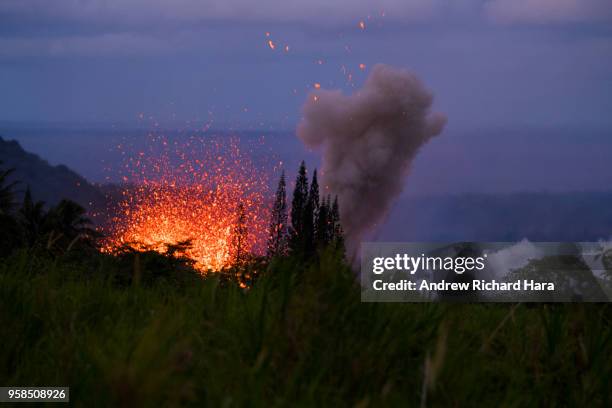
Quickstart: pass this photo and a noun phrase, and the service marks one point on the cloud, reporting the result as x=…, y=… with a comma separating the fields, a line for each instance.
x=548, y=11
x=159, y=27
x=100, y=45
x=155, y=27
x=130, y=13
x=135, y=11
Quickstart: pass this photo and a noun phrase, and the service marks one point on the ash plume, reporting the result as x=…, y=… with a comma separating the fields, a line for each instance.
x=369, y=140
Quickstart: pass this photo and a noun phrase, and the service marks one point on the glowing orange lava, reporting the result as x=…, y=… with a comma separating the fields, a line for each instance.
x=191, y=191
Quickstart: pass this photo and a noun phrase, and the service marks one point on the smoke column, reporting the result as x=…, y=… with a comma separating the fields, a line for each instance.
x=368, y=140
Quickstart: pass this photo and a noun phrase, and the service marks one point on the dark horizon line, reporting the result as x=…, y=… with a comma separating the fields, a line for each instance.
x=170, y=126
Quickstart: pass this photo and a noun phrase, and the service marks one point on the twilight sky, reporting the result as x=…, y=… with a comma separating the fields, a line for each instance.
x=488, y=62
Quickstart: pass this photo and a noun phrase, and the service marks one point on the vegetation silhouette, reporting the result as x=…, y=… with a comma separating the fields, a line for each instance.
x=277, y=244
x=315, y=223
x=144, y=328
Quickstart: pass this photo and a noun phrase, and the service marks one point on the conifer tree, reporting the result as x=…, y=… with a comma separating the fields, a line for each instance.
x=329, y=227
x=322, y=227
x=298, y=204
x=239, y=237
x=313, y=195
x=309, y=218
x=337, y=233
x=277, y=238
x=334, y=218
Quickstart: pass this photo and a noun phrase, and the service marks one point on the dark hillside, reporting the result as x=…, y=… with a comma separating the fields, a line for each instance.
x=46, y=182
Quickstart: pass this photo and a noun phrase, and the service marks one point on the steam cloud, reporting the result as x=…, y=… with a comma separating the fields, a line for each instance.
x=369, y=139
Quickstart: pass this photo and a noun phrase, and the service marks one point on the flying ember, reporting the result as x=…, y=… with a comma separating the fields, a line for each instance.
x=196, y=191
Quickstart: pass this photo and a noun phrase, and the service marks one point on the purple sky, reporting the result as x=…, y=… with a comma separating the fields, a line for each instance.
x=489, y=63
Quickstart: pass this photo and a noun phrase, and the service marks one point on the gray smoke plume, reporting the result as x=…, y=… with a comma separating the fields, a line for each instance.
x=368, y=140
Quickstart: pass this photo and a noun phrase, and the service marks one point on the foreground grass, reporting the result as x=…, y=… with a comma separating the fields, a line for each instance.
x=299, y=337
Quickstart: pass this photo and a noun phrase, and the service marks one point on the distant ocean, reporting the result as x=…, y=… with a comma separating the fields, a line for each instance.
x=484, y=184
x=476, y=161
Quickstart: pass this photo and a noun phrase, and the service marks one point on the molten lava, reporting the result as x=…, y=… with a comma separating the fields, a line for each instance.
x=193, y=191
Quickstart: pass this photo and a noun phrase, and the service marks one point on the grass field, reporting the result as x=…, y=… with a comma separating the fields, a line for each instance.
x=300, y=337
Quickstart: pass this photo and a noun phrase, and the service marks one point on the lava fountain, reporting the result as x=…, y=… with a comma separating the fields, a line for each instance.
x=190, y=190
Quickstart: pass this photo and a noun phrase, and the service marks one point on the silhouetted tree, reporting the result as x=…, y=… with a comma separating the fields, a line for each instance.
x=67, y=225
x=337, y=237
x=6, y=192
x=314, y=224
x=309, y=217
x=10, y=236
x=278, y=234
x=60, y=229
x=313, y=195
x=31, y=219
x=239, y=237
x=298, y=204
x=323, y=230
